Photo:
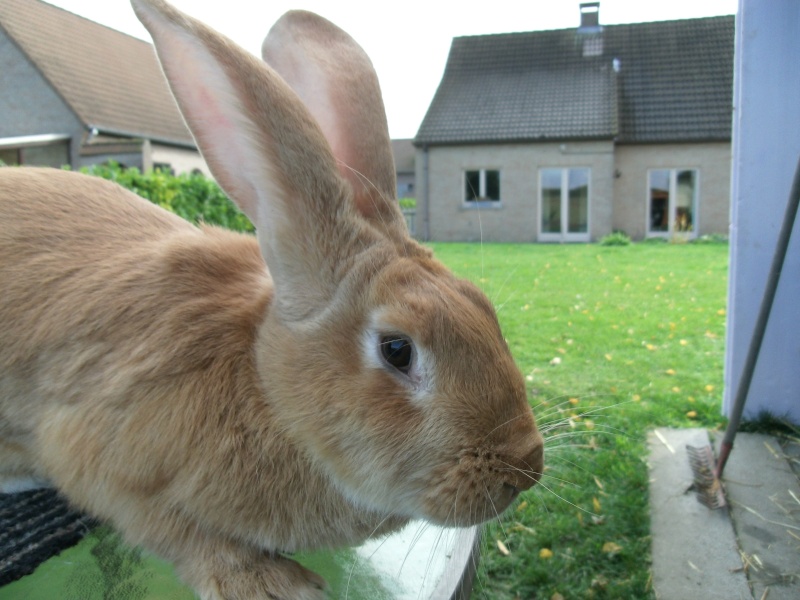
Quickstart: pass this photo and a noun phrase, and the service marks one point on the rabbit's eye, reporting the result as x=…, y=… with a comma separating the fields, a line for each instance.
x=397, y=351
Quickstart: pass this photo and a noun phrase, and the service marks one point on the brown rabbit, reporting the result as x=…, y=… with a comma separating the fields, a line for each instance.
x=217, y=412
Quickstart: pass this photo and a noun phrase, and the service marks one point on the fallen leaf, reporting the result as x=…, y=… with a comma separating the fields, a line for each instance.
x=684, y=342
x=598, y=520
x=692, y=414
x=598, y=482
x=502, y=547
x=573, y=401
x=596, y=505
x=612, y=548
x=709, y=388
x=636, y=398
x=522, y=506
x=556, y=361
x=676, y=389
x=545, y=553
x=670, y=371
x=609, y=357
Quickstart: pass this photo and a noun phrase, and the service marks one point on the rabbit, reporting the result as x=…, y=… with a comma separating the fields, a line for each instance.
x=224, y=399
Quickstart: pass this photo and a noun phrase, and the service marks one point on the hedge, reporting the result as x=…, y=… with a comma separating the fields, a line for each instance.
x=192, y=196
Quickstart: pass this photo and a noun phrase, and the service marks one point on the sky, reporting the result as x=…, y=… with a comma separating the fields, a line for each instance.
x=407, y=41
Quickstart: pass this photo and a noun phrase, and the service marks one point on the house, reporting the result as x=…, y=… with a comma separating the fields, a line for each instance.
x=404, y=155
x=75, y=92
x=568, y=135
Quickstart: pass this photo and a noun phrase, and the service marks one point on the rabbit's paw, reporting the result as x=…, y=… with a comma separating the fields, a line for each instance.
x=260, y=575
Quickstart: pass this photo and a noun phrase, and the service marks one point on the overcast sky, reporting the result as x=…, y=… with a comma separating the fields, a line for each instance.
x=408, y=41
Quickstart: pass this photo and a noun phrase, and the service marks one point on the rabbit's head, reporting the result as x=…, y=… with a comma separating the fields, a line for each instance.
x=387, y=371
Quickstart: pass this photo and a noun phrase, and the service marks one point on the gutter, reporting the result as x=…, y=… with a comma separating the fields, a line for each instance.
x=426, y=221
x=95, y=130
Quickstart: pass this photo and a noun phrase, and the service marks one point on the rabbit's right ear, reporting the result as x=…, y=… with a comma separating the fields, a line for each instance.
x=337, y=82
x=265, y=150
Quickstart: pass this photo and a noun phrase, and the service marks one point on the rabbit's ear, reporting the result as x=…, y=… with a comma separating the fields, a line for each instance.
x=265, y=150
x=337, y=82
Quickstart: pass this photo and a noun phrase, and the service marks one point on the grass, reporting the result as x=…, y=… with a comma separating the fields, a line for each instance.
x=613, y=341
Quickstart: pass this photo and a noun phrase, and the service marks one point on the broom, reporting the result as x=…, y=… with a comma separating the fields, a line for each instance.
x=707, y=472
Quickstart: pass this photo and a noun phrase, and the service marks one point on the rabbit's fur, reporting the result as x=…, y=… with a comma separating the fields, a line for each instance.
x=217, y=412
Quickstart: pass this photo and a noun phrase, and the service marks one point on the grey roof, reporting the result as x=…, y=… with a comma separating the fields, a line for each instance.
x=404, y=152
x=110, y=80
x=653, y=82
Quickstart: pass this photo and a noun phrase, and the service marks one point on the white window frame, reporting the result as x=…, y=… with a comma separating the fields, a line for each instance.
x=485, y=202
x=564, y=235
x=672, y=195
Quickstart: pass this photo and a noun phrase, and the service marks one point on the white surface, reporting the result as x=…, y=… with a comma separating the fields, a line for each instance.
x=766, y=147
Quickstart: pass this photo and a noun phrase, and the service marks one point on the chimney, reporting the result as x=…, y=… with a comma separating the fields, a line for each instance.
x=590, y=17
x=590, y=30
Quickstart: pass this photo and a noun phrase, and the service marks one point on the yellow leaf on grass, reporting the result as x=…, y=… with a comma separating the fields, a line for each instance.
x=596, y=505
x=684, y=343
x=692, y=414
x=636, y=398
x=502, y=547
x=709, y=388
x=670, y=371
x=588, y=424
x=609, y=357
x=522, y=506
x=611, y=548
x=545, y=553
x=573, y=401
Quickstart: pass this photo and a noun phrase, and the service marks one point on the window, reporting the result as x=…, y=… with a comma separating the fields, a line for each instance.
x=481, y=186
x=671, y=201
x=50, y=155
x=564, y=204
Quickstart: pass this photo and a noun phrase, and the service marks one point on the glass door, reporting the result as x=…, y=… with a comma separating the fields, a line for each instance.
x=564, y=205
x=671, y=202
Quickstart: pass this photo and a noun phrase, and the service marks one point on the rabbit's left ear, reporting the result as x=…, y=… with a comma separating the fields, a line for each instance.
x=267, y=152
x=336, y=81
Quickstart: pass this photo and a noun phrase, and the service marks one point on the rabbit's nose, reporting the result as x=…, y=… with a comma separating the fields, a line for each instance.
x=528, y=463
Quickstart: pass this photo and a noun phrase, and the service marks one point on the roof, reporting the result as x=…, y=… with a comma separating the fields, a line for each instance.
x=110, y=80
x=403, y=151
x=652, y=82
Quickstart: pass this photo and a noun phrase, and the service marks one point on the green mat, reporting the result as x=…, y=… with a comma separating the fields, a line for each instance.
x=101, y=567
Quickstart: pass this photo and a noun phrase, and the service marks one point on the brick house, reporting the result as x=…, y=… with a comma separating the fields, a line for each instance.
x=568, y=135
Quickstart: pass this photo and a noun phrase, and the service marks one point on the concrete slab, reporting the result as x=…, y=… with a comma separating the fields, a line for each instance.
x=695, y=552
x=764, y=497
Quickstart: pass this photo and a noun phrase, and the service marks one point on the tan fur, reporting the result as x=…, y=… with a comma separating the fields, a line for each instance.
x=219, y=413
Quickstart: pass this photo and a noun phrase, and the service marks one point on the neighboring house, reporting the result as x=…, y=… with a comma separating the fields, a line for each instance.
x=75, y=92
x=404, y=156
x=571, y=134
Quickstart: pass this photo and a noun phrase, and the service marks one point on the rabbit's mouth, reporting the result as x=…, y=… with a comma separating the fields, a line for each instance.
x=483, y=483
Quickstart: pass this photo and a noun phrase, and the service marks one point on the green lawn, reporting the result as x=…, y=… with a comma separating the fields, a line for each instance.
x=613, y=341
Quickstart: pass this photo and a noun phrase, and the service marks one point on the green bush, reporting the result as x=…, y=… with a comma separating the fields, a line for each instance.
x=617, y=238
x=408, y=203
x=191, y=196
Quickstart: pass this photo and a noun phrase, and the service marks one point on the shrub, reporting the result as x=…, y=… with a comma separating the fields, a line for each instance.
x=617, y=238
x=191, y=196
x=408, y=203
